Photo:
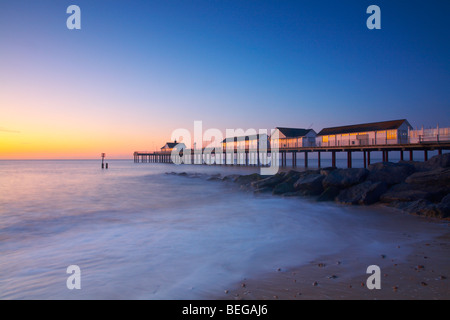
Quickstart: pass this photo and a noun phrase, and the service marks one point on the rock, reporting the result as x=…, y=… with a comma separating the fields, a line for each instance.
x=439, y=161
x=365, y=193
x=417, y=165
x=326, y=171
x=443, y=208
x=437, y=178
x=230, y=177
x=294, y=194
x=329, y=194
x=270, y=181
x=214, y=178
x=419, y=207
x=344, y=178
x=312, y=183
x=262, y=190
x=405, y=192
x=292, y=174
x=390, y=173
x=247, y=179
x=283, y=187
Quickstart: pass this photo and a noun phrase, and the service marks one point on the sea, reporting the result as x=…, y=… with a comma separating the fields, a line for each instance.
x=139, y=231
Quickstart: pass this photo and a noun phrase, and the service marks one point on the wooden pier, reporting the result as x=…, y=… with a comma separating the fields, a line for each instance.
x=256, y=158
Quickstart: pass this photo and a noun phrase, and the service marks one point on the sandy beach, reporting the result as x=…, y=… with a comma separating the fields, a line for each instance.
x=420, y=270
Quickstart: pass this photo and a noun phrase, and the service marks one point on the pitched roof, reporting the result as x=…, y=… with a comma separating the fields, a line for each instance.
x=364, y=127
x=294, y=132
x=241, y=138
x=171, y=145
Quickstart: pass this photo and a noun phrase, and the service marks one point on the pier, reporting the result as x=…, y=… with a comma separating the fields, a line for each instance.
x=250, y=157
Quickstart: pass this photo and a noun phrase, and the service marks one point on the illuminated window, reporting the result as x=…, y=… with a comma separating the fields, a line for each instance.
x=345, y=135
x=392, y=134
x=325, y=139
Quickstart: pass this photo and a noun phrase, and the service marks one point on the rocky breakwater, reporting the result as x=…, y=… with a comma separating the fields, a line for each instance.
x=421, y=188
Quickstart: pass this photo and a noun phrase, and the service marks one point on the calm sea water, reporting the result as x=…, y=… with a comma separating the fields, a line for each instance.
x=139, y=233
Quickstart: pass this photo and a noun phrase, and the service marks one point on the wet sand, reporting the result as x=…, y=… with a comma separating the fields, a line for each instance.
x=420, y=270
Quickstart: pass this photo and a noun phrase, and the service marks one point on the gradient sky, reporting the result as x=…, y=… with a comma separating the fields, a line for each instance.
x=137, y=70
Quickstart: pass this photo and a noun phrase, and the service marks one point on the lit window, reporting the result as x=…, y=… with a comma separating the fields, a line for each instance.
x=392, y=134
x=325, y=139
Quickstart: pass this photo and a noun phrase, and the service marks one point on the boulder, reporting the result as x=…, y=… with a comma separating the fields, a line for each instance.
x=263, y=190
x=345, y=178
x=443, y=207
x=247, y=179
x=283, y=187
x=293, y=194
x=326, y=171
x=390, y=173
x=312, y=183
x=438, y=178
x=405, y=192
x=420, y=207
x=329, y=194
x=214, y=178
x=292, y=174
x=365, y=193
x=231, y=177
x=439, y=161
x=417, y=165
x=271, y=181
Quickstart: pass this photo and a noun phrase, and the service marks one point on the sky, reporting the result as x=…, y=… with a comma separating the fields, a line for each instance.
x=138, y=70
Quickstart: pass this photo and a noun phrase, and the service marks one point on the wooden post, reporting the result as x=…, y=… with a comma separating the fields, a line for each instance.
x=318, y=159
x=103, y=159
x=365, y=160
x=387, y=155
x=411, y=155
x=440, y=152
x=401, y=156
x=349, y=159
x=333, y=158
x=368, y=158
x=426, y=155
x=306, y=159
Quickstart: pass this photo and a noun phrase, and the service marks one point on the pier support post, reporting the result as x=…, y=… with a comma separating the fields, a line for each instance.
x=306, y=159
x=368, y=158
x=411, y=155
x=440, y=152
x=349, y=159
x=318, y=160
x=333, y=159
x=365, y=160
x=387, y=155
x=402, y=157
x=425, y=155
